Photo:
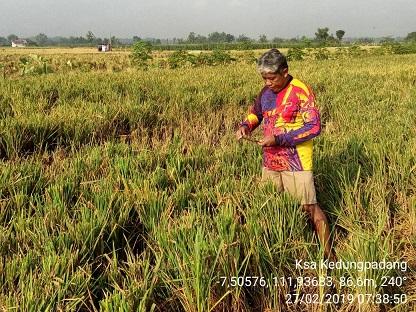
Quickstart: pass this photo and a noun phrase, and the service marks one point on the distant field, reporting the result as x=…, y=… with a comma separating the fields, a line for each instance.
x=125, y=190
x=15, y=62
x=54, y=50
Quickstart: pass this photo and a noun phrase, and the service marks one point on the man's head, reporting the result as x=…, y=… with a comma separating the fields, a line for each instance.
x=273, y=67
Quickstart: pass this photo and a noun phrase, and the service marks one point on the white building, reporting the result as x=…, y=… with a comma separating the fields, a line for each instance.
x=104, y=47
x=19, y=43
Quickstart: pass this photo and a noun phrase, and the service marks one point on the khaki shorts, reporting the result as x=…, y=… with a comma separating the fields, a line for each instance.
x=297, y=183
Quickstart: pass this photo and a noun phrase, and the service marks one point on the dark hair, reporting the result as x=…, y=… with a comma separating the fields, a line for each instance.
x=273, y=61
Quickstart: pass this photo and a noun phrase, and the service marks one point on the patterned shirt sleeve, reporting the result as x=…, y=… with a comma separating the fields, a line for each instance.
x=311, y=123
x=255, y=115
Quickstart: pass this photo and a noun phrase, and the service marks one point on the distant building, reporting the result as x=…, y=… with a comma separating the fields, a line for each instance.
x=19, y=43
x=104, y=47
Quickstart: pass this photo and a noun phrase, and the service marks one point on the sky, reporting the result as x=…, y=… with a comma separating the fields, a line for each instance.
x=176, y=19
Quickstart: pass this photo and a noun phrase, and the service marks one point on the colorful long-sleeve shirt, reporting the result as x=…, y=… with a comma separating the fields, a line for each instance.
x=292, y=117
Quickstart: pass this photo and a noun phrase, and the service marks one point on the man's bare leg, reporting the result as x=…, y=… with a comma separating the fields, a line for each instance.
x=320, y=222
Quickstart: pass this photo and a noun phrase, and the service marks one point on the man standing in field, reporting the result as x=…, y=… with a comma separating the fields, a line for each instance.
x=290, y=122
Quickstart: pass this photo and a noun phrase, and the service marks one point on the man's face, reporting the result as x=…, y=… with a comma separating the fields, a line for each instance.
x=275, y=81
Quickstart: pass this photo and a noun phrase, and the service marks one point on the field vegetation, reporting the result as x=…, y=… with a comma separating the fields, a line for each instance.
x=123, y=188
x=35, y=61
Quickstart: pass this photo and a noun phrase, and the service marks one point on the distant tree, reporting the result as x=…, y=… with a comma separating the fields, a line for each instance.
x=191, y=37
x=3, y=41
x=77, y=40
x=136, y=38
x=322, y=34
x=411, y=36
x=229, y=38
x=243, y=38
x=277, y=40
x=332, y=39
x=201, y=39
x=263, y=38
x=364, y=40
x=214, y=37
x=41, y=39
x=114, y=41
x=31, y=42
x=90, y=36
x=387, y=40
x=340, y=33
x=306, y=41
x=12, y=37
x=151, y=41
x=195, y=38
x=217, y=37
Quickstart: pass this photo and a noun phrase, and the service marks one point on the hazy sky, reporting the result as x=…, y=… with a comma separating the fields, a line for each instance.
x=168, y=18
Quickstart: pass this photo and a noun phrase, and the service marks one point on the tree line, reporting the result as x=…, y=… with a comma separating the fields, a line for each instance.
x=42, y=39
x=322, y=37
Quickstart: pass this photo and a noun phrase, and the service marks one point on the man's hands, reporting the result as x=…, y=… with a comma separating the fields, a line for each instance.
x=268, y=140
x=244, y=132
